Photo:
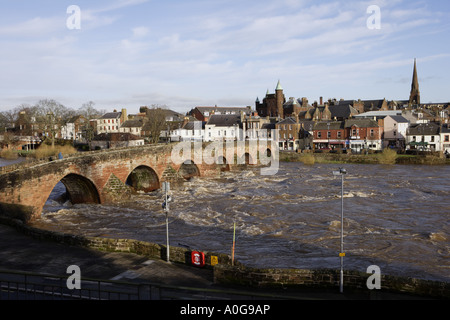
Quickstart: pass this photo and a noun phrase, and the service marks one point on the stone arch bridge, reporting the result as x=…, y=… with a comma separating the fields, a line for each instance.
x=110, y=176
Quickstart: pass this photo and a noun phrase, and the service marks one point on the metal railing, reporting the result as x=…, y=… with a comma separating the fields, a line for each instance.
x=33, y=286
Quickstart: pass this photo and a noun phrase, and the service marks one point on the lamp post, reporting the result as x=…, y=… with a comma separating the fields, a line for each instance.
x=165, y=205
x=341, y=172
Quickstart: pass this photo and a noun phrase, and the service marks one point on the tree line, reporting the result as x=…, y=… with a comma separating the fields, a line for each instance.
x=47, y=112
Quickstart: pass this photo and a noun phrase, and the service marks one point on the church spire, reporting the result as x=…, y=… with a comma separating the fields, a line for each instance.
x=414, y=97
x=279, y=87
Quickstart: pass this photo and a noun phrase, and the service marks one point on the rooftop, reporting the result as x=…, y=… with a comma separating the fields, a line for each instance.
x=224, y=120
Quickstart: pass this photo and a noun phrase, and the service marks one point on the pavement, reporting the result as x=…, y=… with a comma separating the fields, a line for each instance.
x=19, y=252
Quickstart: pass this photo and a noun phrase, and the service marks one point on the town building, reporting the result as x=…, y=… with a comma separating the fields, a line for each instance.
x=204, y=113
x=272, y=104
x=256, y=127
x=132, y=126
x=329, y=135
x=111, y=122
x=288, y=133
x=224, y=127
x=424, y=137
x=395, y=129
x=189, y=131
x=445, y=139
x=357, y=135
x=74, y=128
x=364, y=135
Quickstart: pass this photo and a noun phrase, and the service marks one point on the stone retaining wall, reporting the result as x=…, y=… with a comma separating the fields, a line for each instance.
x=325, y=279
x=151, y=250
x=240, y=275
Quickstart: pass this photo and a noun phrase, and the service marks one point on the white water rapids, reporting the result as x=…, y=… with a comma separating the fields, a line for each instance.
x=396, y=217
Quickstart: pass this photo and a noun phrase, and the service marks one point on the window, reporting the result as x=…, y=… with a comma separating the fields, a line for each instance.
x=447, y=138
x=339, y=134
x=372, y=132
x=432, y=138
x=329, y=134
x=319, y=134
x=395, y=133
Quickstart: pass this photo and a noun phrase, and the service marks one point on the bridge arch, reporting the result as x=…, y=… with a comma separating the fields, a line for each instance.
x=223, y=163
x=189, y=170
x=246, y=159
x=143, y=178
x=80, y=189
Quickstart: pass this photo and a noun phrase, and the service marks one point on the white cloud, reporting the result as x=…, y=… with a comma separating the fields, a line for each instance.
x=35, y=27
x=217, y=55
x=140, y=32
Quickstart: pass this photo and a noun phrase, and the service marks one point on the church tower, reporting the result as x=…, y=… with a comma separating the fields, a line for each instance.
x=414, y=97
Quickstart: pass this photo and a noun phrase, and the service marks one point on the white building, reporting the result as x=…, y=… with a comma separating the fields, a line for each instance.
x=111, y=122
x=395, y=129
x=73, y=129
x=226, y=127
x=445, y=138
x=191, y=131
x=424, y=137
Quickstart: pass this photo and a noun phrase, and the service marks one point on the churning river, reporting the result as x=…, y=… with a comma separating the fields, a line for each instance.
x=395, y=217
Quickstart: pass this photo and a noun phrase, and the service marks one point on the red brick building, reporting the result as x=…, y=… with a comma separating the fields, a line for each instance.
x=356, y=134
x=272, y=105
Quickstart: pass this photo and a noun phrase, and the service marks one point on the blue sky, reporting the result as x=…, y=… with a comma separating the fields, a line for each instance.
x=183, y=54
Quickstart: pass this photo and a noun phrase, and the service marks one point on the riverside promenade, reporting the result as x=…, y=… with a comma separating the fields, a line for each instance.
x=22, y=253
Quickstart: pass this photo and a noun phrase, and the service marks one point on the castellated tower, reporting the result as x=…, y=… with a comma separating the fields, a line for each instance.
x=280, y=100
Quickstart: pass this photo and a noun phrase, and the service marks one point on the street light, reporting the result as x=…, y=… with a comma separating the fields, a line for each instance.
x=341, y=172
x=165, y=206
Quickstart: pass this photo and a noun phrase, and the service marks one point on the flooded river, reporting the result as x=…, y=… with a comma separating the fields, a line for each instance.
x=396, y=217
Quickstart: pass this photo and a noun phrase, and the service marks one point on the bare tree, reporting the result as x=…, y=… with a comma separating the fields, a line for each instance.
x=88, y=110
x=52, y=115
x=155, y=122
x=7, y=118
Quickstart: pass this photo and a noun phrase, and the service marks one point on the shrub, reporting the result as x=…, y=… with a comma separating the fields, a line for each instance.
x=308, y=159
x=388, y=156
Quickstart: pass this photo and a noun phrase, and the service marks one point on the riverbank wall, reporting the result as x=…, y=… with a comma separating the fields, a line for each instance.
x=373, y=158
x=233, y=273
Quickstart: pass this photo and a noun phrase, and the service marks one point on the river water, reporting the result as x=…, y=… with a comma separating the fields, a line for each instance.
x=395, y=217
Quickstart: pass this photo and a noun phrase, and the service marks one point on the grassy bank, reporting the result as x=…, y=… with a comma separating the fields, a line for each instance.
x=9, y=154
x=46, y=151
x=387, y=157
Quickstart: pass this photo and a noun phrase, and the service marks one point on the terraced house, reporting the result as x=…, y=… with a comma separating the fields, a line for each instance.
x=358, y=135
